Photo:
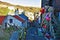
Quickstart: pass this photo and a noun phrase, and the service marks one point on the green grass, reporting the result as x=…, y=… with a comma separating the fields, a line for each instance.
x=10, y=29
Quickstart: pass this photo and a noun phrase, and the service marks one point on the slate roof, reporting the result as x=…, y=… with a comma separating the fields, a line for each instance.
x=23, y=16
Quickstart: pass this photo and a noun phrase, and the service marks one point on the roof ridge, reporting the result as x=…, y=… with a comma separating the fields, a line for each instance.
x=18, y=18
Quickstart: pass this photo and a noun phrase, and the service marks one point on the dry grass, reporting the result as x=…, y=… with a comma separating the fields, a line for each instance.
x=30, y=9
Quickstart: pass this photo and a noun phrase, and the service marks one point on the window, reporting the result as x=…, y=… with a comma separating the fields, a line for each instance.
x=5, y=24
x=11, y=20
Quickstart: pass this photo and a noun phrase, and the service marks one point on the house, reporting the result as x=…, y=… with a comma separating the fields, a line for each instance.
x=25, y=18
x=22, y=15
x=14, y=21
x=2, y=18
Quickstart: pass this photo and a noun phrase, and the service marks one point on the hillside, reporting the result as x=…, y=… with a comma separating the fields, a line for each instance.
x=30, y=9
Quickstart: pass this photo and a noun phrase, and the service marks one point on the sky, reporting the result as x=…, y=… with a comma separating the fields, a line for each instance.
x=33, y=3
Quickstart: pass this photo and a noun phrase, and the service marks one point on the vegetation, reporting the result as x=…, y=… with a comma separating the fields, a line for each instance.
x=4, y=11
x=4, y=35
x=9, y=30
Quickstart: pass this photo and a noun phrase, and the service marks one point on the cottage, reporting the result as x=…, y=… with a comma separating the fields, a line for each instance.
x=25, y=18
x=2, y=18
x=14, y=21
x=22, y=15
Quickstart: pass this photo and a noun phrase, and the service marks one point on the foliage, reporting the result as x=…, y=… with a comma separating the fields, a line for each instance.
x=4, y=10
x=10, y=29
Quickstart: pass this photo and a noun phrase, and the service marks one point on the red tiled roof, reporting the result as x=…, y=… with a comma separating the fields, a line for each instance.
x=2, y=19
x=19, y=18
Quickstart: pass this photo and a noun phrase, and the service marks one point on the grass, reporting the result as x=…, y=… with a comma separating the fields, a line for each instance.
x=5, y=36
x=10, y=29
x=22, y=34
x=7, y=33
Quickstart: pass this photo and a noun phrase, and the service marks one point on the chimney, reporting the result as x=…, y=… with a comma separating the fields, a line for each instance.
x=17, y=11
